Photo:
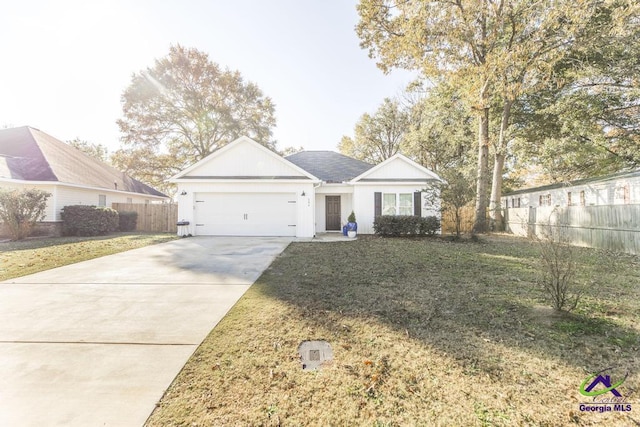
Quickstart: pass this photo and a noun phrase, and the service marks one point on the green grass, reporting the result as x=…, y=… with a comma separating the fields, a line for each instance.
x=424, y=332
x=33, y=255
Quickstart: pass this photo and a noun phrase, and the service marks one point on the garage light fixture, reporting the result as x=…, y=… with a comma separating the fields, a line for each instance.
x=184, y=193
x=302, y=193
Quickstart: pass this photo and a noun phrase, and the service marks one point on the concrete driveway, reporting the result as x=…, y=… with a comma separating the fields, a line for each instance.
x=97, y=343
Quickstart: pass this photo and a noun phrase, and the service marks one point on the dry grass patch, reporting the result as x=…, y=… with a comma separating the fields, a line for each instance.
x=424, y=332
x=34, y=255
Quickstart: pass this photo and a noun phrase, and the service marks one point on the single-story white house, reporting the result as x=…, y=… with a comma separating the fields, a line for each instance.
x=30, y=158
x=245, y=189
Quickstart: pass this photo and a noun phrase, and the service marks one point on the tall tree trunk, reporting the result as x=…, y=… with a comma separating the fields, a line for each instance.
x=495, y=207
x=480, y=224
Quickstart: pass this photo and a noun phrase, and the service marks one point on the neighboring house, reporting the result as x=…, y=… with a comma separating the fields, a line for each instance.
x=30, y=158
x=601, y=212
x=246, y=189
x=615, y=189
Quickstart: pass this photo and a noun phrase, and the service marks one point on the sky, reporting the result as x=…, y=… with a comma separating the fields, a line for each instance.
x=65, y=63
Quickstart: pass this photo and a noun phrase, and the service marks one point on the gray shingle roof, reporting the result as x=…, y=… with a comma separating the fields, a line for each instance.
x=29, y=154
x=329, y=166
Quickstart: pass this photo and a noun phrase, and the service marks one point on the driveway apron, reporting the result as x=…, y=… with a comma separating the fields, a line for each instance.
x=97, y=343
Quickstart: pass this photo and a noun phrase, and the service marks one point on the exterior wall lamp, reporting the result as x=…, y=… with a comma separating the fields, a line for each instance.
x=303, y=193
x=184, y=193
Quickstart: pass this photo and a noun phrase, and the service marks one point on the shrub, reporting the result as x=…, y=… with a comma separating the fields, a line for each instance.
x=21, y=209
x=82, y=220
x=352, y=217
x=429, y=225
x=391, y=225
x=557, y=269
x=127, y=220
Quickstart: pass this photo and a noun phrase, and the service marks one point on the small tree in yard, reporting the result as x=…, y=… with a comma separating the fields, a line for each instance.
x=21, y=209
x=557, y=267
x=454, y=193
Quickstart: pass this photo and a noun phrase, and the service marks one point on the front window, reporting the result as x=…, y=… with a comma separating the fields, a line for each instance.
x=102, y=200
x=389, y=204
x=406, y=204
x=397, y=204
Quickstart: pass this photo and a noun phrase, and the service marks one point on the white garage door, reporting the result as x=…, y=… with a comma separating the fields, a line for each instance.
x=245, y=214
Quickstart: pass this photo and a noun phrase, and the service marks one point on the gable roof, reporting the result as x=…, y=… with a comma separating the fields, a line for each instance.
x=427, y=174
x=28, y=154
x=329, y=166
x=281, y=163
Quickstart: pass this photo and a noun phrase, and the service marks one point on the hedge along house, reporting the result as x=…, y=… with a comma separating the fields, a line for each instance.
x=245, y=189
x=30, y=158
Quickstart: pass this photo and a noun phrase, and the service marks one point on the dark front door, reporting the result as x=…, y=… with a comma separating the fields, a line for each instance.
x=332, y=207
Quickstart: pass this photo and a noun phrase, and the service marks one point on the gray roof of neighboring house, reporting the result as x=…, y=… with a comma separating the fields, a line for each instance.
x=591, y=180
x=29, y=154
x=329, y=166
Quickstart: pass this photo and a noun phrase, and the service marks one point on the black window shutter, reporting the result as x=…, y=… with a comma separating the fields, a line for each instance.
x=417, y=203
x=377, y=204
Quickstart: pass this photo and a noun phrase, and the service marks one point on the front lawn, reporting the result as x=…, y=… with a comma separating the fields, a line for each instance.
x=34, y=255
x=424, y=332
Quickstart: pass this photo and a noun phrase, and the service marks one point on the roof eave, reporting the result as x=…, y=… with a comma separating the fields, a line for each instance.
x=84, y=187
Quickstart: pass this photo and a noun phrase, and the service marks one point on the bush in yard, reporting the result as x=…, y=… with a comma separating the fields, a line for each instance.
x=557, y=267
x=82, y=220
x=21, y=209
x=127, y=220
x=405, y=225
x=452, y=195
x=429, y=225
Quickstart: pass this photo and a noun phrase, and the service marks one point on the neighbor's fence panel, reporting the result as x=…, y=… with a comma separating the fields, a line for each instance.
x=152, y=218
x=613, y=227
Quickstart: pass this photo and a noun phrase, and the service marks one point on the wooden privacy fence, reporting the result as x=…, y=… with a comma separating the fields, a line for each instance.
x=152, y=218
x=448, y=223
x=613, y=227
x=467, y=218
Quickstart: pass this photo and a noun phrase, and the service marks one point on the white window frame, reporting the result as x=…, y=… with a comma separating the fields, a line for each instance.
x=621, y=195
x=102, y=200
x=395, y=209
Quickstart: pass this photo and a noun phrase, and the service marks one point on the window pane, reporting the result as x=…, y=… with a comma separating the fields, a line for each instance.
x=406, y=204
x=388, y=204
x=102, y=200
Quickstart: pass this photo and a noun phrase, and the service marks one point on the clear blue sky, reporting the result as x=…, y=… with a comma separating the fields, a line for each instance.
x=65, y=63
